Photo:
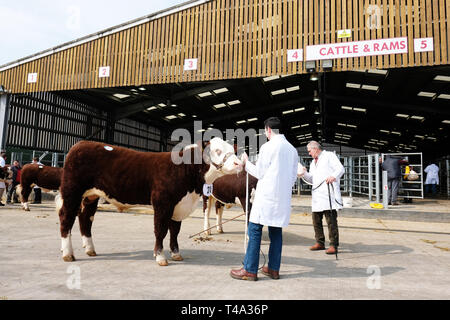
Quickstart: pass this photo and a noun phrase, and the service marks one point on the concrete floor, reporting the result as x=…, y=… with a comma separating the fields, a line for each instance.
x=379, y=259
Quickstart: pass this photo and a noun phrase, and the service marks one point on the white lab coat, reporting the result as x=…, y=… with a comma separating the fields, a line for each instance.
x=327, y=165
x=2, y=164
x=276, y=171
x=432, y=171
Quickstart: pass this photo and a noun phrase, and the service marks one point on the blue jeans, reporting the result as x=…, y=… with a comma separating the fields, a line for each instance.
x=251, y=261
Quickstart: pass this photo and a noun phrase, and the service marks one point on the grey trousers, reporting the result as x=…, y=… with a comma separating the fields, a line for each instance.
x=393, y=185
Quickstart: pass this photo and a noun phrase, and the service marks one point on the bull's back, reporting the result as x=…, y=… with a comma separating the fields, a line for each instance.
x=122, y=174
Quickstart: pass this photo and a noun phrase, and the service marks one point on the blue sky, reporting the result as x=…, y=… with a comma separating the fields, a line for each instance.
x=30, y=26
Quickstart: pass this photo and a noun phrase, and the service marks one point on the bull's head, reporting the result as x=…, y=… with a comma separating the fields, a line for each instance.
x=222, y=158
x=5, y=173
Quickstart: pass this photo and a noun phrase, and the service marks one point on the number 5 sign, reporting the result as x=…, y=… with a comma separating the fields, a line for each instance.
x=190, y=64
x=295, y=55
x=423, y=45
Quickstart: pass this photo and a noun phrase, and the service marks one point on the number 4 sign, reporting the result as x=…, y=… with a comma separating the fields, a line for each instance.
x=423, y=45
x=190, y=64
x=295, y=55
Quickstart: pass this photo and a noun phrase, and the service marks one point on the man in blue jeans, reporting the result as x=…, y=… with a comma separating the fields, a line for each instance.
x=276, y=171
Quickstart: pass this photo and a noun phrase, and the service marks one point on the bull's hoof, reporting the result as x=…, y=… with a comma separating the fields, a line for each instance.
x=177, y=257
x=163, y=263
x=220, y=230
x=91, y=253
x=69, y=258
x=207, y=233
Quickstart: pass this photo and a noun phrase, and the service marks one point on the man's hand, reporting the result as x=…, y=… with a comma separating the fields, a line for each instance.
x=244, y=159
x=330, y=179
x=301, y=170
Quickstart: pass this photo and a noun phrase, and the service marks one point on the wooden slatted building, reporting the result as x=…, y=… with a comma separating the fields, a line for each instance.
x=232, y=41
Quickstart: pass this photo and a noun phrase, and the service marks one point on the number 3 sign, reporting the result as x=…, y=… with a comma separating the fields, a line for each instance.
x=190, y=64
x=423, y=45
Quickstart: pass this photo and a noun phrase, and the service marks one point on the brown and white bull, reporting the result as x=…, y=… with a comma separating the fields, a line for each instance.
x=126, y=177
x=224, y=193
x=46, y=177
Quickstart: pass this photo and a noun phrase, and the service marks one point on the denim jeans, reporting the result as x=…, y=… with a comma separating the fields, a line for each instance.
x=251, y=261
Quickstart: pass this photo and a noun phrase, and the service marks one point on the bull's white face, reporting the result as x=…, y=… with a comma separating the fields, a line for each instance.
x=222, y=155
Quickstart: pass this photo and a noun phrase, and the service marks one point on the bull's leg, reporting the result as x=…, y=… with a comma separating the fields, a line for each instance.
x=24, y=190
x=86, y=218
x=68, y=209
x=206, y=213
x=161, y=222
x=219, y=213
x=174, y=228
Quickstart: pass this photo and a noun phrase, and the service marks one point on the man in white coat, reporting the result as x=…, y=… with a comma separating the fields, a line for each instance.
x=276, y=171
x=432, y=179
x=324, y=174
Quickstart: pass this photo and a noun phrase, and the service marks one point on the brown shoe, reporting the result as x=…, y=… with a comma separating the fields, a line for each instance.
x=331, y=250
x=317, y=246
x=241, y=274
x=270, y=273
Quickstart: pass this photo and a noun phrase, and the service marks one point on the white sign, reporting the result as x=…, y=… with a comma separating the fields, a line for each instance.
x=190, y=64
x=423, y=45
x=357, y=49
x=32, y=77
x=346, y=33
x=295, y=55
x=207, y=189
x=103, y=72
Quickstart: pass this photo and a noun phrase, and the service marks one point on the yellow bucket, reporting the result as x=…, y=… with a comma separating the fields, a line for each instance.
x=376, y=205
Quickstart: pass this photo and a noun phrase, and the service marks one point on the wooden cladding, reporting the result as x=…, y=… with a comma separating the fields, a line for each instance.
x=239, y=39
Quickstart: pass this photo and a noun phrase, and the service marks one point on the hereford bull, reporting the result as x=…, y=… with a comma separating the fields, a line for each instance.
x=224, y=193
x=94, y=170
x=48, y=178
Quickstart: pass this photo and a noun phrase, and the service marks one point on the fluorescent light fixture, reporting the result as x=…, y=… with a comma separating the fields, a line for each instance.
x=359, y=109
x=444, y=96
x=241, y=121
x=171, y=117
x=152, y=108
x=121, y=96
x=201, y=130
x=442, y=78
x=370, y=87
x=377, y=71
x=295, y=88
x=142, y=89
x=220, y=105
x=397, y=133
x=426, y=94
x=353, y=109
x=353, y=85
x=232, y=103
x=446, y=121
x=299, y=109
x=252, y=119
x=295, y=127
x=401, y=115
x=271, y=78
x=417, y=118
x=288, y=111
x=346, y=108
x=305, y=125
x=276, y=92
x=181, y=115
x=205, y=94
x=162, y=105
x=221, y=90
